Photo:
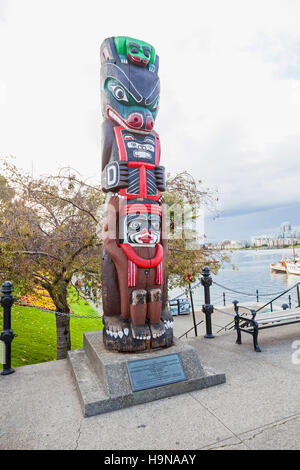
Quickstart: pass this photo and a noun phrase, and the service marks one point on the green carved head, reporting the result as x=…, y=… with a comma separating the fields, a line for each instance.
x=138, y=52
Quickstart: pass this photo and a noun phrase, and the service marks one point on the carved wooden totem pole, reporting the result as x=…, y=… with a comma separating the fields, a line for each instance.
x=135, y=242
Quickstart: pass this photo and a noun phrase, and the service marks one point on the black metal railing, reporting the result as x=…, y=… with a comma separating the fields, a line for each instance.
x=257, y=294
x=208, y=307
x=271, y=302
x=223, y=298
x=231, y=325
x=191, y=329
x=7, y=335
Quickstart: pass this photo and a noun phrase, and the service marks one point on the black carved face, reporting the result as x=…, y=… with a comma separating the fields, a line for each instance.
x=142, y=228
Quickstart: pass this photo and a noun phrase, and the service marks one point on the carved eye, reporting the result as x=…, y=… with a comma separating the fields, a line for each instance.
x=135, y=225
x=118, y=92
x=155, y=225
x=147, y=54
x=134, y=50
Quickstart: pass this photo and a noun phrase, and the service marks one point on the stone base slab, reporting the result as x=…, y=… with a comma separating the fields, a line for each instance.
x=103, y=382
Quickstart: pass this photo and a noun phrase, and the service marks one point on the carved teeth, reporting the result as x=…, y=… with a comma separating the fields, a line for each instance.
x=126, y=331
x=115, y=335
x=121, y=334
x=169, y=324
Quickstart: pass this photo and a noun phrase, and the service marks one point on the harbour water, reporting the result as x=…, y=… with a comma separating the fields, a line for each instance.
x=251, y=273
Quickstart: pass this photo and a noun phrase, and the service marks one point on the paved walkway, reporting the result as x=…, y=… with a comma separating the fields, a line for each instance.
x=258, y=407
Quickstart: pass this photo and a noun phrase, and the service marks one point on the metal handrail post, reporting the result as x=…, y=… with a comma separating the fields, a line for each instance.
x=207, y=308
x=7, y=334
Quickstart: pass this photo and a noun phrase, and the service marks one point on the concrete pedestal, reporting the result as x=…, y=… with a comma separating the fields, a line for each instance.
x=103, y=382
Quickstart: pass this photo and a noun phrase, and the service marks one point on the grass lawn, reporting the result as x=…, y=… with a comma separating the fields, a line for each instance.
x=36, y=330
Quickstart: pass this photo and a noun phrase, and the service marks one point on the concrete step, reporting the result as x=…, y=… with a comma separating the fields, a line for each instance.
x=104, y=384
x=89, y=387
x=109, y=366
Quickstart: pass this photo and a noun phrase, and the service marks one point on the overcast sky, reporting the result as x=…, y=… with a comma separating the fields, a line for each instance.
x=230, y=99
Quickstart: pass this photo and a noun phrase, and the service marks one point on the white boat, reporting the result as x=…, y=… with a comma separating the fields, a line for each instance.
x=286, y=265
x=293, y=268
x=280, y=267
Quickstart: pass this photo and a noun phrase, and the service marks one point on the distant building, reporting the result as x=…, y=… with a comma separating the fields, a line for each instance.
x=233, y=244
x=285, y=237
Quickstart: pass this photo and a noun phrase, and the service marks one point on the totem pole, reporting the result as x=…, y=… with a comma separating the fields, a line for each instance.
x=134, y=236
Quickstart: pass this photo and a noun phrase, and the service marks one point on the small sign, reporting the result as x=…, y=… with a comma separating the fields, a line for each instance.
x=156, y=371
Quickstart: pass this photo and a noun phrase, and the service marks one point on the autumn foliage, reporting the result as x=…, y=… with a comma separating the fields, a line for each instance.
x=38, y=297
x=48, y=235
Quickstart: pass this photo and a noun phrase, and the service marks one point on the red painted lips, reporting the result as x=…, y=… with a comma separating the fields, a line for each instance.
x=147, y=237
x=138, y=61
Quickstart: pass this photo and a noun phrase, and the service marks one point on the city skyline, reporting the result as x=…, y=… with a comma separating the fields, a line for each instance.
x=285, y=234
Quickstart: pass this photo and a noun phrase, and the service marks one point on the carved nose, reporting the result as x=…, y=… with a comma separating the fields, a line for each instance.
x=149, y=124
x=144, y=231
x=135, y=120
